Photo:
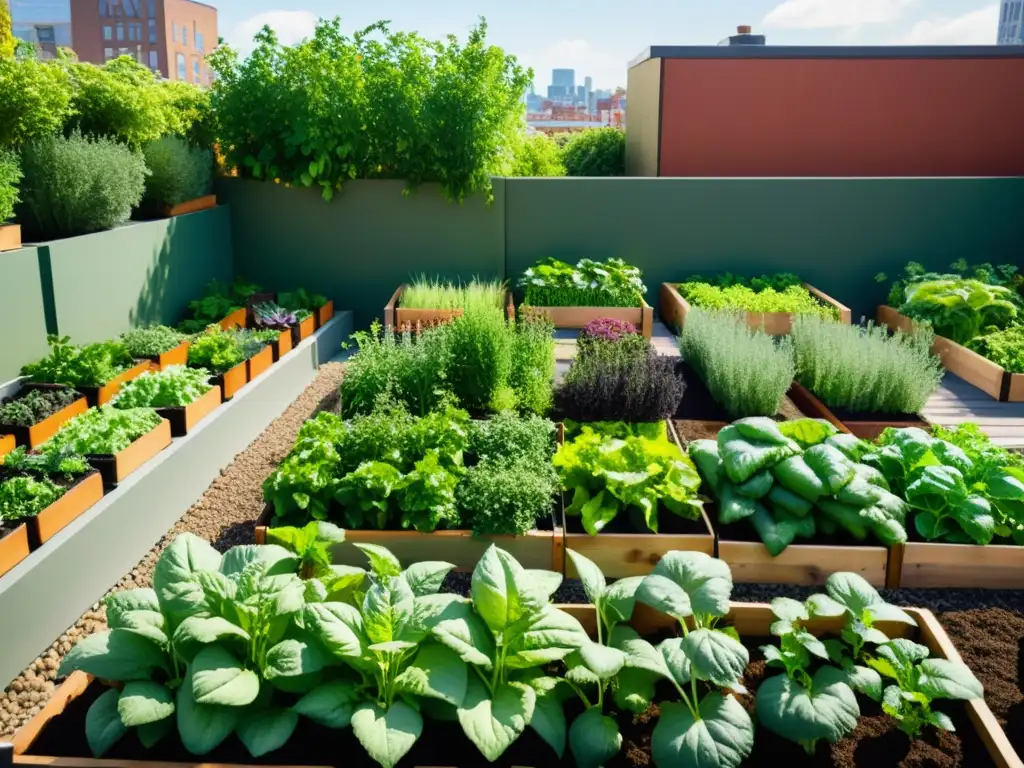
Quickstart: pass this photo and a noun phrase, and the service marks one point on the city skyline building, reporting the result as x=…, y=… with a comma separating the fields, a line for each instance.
x=44, y=23
x=1011, y=23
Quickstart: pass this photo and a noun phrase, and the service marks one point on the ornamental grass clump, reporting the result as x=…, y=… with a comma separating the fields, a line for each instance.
x=865, y=370
x=747, y=372
x=433, y=293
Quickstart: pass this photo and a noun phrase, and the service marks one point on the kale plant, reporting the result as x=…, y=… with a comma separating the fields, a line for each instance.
x=271, y=315
x=32, y=406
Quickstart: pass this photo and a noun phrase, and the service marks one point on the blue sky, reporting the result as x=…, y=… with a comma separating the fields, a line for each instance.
x=599, y=37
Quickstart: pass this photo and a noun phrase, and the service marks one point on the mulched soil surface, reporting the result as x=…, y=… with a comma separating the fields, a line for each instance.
x=224, y=515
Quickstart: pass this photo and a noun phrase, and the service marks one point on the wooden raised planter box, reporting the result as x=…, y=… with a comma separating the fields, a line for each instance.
x=104, y=394
x=232, y=380
x=323, y=314
x=673, y=308
x=965, y=566
x=811, y=406
x=183, y=418
x=7, y=444
x=259, y=363
x=33, y=532
x=992, y=379
x=749, y=619
x=195, y=205
x=578, y=317
x=116, y=467
x=10, y=237
x=43, y=430
x=536, y=549
x=303, y=330
x=176, y=356
x=283, y=345
x=399, y=318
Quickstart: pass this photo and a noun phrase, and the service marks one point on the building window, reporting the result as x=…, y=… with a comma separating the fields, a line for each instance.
x=108, y=54
x=184, y=35
x=152, y=30
x=103, y=7
x=120, y=31
x=174, y=32
x=108, y=32
x=45, y=34
x=200, y=42
x=182, y=71
x=154, y=60
x=124, y=51
x=195, y=70
x=152, y=9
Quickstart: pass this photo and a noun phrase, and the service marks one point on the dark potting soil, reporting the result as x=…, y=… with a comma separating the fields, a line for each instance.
x=845, y=415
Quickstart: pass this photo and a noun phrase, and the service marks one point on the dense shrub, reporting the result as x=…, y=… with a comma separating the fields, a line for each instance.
x=595, y=152
x=152, y=341
x=375, y=105
x=746, y=371
x=767, y=298
x=555, y=283
x=533, y=364
x=7, y=41
x=537, y=155
x=77, y=185
x=189, y=113
x=10, y=175
x=35, y=99
x=508, y=436
x=481, y=360
x=506, y=497
x=177, y=172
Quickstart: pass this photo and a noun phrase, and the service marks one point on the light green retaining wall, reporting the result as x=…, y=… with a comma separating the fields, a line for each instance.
x=139, y=274
x=358, y=248
x=23, y=302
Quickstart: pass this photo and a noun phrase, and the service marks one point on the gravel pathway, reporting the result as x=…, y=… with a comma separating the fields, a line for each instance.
x=224, y=515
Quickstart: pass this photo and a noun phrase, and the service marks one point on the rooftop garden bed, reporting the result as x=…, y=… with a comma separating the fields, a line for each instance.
x=426, y=302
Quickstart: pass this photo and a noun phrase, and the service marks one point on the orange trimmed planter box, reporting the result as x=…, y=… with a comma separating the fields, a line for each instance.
x=994, y=380
x=811, y=406
x=116, y=467
x=283, y=345
x=577, y=317
x=7, y=444
x=303, y=330
x=235, y=320
x=323, y=314
x=536, y=549
x=77, y=499
x=184, y=418
x=673, y=308
x=13, y=548
x=176, y=356
x=398, y=317
x=195, y=205
x=43, y=430
x=103, y=395
x=10, y=237
x=260, y=363
x=232, y=380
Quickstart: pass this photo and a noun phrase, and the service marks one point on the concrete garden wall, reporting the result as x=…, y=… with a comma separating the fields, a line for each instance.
x=23, y=303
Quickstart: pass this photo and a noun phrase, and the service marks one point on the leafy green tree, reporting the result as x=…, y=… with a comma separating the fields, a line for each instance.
x=537, y=156
x=596, y=152
x=36, y=97
x=7, y=44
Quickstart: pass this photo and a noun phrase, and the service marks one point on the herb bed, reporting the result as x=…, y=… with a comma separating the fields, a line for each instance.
x=184, y=418
x=401, y=318
x=38, y=433
x=103, y=394
x=114, y=468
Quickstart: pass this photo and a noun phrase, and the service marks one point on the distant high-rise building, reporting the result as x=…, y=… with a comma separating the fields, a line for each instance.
x=581, y=94
x=44, y=23
x=1011, y=23
x=564, y=78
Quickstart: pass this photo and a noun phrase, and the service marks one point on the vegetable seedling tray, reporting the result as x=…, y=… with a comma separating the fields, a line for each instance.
x=674, y=308
x=399, y=318
x=116, y=467
x=259, y=363
x=183, y=418
x=41, y=431
x=194, y=205
x=324, y=313
x=749, y=619
x=994, y=380
x=176, y=356
x=104, y=394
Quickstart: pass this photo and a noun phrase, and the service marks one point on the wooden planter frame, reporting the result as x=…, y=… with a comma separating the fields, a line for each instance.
x=303, y=330
x=14, y=548
x=236, y=319
x=323, y=314
x=10, y=237
x=176, y=356
x=400, y=318
x=282, y=345
x=674, y=308
x=116, y=467
x=102, y=395
x=994, y=380
x=184, y=418
x=578, y=317
x=811, y=406
x=749, y=619
x=232, y=380
x=41, y=431
x=962, y=566
x=259, y=363
x=194, y=205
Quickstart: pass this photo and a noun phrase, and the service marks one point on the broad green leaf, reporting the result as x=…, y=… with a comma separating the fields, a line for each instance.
x=828, y=710
x=684, y=583
x=722, y=738
x=502, y=591
x=493, y=723
x=387, y=736
x=381, y=560
x=152, y=734
x=548, y=635
x=219, y=678
x=598, y=512
x=619, y=599
x=783, y=498
x=387, y=610
x=115, y=655
x=903, y=653
x=202, y=727
x=749, y=445
x=549, y=721
x=865, y=680
x=830, y=465
x=148, y=624
x=276, y=558
x=732, y=506
x=807, y=432
x=715, y=656
x=186, y=555
x=330, y=704
x=339, y=627
x=811, y=643
x=294, y=657
x=942, y=720
x=640, y=654
x=576, y=670
x=103, y=726
x=467, y=635
x=796, y=476
x=634, y=689
x=777, y=532
x=547, y=582
x=437, y=672
x=427, y=577
x=129, y=600
x=143, y=702
x=593, y=579
x=888, y=612
x=195, y=632
x=603, y=661
x=943, y=679
x=788, y=609
x=824, y=606
x=594, y=739
x=852, y=591
x=676, y=660
x=266, y=730
x=756, y=487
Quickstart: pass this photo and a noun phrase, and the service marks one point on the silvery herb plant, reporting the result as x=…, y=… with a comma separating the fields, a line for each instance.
x=708, y=727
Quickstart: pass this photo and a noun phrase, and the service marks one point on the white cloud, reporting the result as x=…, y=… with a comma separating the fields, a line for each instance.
x=829, y=14
x=606, y=68
x=975, y=28
x=290, y=26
